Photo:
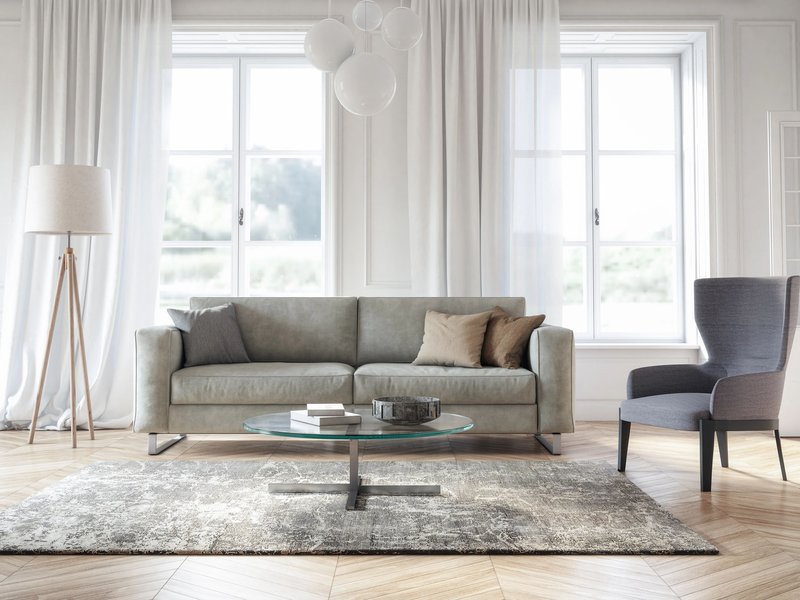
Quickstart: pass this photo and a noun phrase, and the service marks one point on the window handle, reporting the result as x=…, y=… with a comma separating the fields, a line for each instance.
x=596, y=216
x=241, y=216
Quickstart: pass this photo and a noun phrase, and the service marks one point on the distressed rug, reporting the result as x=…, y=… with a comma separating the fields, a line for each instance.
x=222, y=507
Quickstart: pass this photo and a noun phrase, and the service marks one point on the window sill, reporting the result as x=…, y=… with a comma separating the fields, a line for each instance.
x=684, y=346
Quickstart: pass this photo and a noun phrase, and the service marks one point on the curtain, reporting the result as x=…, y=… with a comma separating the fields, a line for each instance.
x=484, y=151
x=95, y=77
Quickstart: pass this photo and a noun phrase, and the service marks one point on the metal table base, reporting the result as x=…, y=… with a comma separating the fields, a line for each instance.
x=354, y=487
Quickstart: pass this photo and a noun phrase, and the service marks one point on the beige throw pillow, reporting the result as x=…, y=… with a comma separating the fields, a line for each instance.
x=453, y=340
x=506, y=337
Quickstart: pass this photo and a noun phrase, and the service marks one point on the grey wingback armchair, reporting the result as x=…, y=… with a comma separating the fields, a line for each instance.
x=747, y=325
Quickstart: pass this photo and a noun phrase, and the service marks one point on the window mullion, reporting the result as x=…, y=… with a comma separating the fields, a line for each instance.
x=239, y=187
x=594, y=203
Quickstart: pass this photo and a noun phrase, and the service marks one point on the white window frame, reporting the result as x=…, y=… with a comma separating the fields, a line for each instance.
x=698, y=42
x=592, y=153
x=212, y=62
x=244, y=179
x=239, y=154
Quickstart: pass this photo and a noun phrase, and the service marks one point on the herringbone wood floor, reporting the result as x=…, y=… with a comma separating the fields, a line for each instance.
x=751, y=515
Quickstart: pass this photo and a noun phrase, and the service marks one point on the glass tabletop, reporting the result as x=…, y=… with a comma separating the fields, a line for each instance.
x=370, y=428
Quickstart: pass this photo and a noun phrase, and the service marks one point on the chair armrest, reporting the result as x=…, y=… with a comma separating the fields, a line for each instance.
x=159, y=353
x=749, y=396
x=672, y=379
x=552, y=357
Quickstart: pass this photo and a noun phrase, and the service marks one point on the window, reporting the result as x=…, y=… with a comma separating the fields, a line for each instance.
x=244, y=212
x=623, y=228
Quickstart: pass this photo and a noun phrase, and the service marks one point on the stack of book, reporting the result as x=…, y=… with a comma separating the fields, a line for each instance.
x=325, y=414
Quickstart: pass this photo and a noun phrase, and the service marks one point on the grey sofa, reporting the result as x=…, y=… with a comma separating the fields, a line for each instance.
x=348, y=350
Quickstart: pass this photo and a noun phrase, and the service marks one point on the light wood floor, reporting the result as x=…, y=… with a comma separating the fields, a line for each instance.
x=751, y=515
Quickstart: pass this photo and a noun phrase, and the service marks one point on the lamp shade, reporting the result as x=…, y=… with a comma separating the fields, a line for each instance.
x=367, y=15
x=365, y=84
x=69, y=198
x=328, y=44
x=402, y=29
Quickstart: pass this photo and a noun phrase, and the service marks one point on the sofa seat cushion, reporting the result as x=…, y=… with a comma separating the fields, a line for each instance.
x=263, y=383
x=452, y=385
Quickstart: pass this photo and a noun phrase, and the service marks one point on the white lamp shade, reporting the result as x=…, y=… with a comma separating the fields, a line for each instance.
x=367, y=15
x=328, y=44
x=365, y=84
x=69, y=199
x=402, y=28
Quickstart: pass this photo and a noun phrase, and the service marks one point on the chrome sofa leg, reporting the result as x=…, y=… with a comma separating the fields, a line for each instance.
x=154, y=448
x=553, y=447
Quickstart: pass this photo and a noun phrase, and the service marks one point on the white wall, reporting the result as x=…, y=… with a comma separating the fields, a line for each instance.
x=757, y=72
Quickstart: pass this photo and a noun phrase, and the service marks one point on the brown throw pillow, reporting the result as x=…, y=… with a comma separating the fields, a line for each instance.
x=506, y=337
x=453, y=340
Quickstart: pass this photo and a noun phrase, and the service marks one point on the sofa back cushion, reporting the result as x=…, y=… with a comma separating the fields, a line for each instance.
x=294, y=329
x=390, y=329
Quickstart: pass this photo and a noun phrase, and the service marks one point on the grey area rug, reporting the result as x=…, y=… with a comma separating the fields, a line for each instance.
x=486, y=507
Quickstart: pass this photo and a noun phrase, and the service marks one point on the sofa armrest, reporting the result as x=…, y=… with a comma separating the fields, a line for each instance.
x=552, y=358
x=159, y=353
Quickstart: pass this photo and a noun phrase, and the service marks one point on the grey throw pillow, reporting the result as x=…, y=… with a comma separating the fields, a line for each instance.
x=210, y=335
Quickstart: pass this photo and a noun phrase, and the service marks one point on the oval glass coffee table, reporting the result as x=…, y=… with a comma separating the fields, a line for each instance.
x=370, y=428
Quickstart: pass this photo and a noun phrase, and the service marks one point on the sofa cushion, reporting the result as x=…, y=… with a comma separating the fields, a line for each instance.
x=210, y=335
x=294, y=329
x=506, y=338
x=390, y=329
x=452, y=340
x=452, y=385
x=263, y=383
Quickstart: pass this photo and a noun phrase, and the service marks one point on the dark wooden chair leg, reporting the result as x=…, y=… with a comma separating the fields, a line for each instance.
x=722, y=440
x=780, y=453
x=706, y=454
x=622, y=445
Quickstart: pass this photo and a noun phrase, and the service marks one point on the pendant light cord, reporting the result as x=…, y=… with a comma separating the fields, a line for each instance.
x=366, y=122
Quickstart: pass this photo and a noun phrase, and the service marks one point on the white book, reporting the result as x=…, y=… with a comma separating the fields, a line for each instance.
x=325, y=410
x=347, y=418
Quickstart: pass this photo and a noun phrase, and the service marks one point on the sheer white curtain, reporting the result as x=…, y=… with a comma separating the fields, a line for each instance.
x=484, y=173
x=95, y=77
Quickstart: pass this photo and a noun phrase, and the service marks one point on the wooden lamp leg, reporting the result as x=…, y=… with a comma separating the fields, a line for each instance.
x=67, y=267
x=61, y=269
x=72, y=391
x=82, y=347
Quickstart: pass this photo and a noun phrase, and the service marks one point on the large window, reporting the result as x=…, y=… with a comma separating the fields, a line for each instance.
x=621, y=139
x=245, y=212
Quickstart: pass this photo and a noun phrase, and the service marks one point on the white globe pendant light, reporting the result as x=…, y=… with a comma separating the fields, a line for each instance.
x=328, y=44
x=365, y=84
x=367, y=15
x=402, y=28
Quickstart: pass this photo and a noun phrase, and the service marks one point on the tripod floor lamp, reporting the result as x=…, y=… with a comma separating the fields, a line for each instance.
x=71, y=200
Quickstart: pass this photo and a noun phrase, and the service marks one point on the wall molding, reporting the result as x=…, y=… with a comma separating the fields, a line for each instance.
x=740, y=25
x=791, y=25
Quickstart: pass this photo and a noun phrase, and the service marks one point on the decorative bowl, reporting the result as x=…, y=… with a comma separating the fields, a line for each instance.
x=406, y=410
